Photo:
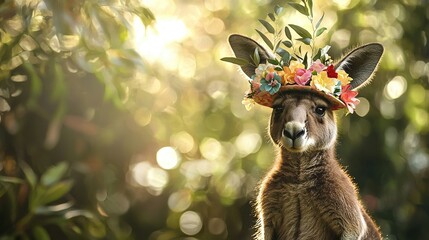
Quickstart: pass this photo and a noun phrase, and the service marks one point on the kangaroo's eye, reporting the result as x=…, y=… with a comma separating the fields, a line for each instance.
x=320, y=111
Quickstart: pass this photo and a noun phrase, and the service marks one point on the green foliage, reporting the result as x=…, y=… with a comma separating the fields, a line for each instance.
x=48, y=204
x=120, y=184
x=293, y=48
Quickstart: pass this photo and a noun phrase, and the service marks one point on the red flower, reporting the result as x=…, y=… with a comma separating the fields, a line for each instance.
x=331, y=72
x=348, y=96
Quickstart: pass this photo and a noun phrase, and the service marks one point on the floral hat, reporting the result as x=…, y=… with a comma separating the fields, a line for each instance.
x=318, y=78
x=294, y=69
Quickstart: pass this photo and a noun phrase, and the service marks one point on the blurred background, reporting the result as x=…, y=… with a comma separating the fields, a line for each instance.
x=119, y=121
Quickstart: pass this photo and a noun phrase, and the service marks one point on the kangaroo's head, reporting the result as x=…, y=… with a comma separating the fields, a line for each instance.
x=304, y=120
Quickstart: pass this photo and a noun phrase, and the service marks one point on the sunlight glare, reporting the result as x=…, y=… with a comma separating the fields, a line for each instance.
x=167, y=158
x=156, y=42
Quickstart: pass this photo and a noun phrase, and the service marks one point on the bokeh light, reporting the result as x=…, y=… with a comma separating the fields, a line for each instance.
x=167, y=158
x=190, y=223
x=395, y=88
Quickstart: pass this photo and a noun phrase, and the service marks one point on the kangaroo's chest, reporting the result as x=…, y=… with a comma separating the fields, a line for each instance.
x=294, y=215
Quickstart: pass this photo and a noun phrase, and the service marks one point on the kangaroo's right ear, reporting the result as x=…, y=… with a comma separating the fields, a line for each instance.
x=244, y=47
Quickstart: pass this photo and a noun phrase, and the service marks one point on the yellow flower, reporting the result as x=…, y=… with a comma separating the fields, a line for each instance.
x=323, y=83
x=294, y=65
x=344, y=77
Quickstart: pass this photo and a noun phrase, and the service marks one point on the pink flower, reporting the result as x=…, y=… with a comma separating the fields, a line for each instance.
x=348, y=96
x=317, y=66
x=302, y=76
x=270, y=76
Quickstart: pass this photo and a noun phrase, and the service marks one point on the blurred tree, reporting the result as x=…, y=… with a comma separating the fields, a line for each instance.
x=61, y=63
x=112, y=130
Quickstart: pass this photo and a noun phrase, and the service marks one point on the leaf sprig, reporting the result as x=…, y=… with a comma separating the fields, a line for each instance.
x=290, y=48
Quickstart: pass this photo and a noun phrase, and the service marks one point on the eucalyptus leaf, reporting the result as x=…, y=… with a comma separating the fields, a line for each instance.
x=267, y=26
x=304, y=61
x=306, y=41
x=278, y=9
x=299, y=8
x=265, y=38
x=238, y=61
x=301, y=31
x=54, y=174
x=320, y=21
x=273, y=61
x=286, y=58
x=320, y=31
x=288, y=34
x=272, y=17
x=287, y=43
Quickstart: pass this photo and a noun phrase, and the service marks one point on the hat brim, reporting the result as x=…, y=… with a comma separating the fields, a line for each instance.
x=266, y=99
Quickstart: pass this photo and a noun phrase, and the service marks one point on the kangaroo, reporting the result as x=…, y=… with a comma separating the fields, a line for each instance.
x=307, y=194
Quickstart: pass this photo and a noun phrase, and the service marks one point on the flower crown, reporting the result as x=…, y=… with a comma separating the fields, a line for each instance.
x=319, y=78
x=295, y=69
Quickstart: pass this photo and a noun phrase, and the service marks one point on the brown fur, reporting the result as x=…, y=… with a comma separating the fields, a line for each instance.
x=307, y=195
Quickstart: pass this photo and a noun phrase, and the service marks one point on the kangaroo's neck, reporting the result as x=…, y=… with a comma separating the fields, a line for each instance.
x=297, y=165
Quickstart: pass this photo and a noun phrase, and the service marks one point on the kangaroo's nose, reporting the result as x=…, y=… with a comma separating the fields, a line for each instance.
x=294, y=130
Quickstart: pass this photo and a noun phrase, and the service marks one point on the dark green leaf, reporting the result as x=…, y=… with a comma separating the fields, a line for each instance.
x=304, y=61
x=320, y=31
x=320, y=21
x=14, y=180
x=266, y=40
x=267, y=26
x=40, y=233
x=299, y=8
x=306, y=41
x=288, y=34
x=29, y=174
x=55, y=192
x=286, y=58
x=278, y=68
x=301, y=31
x=278, y=9
x=273, y=61
x=54, y=174
x=272, y=17
x=238, y=61
x=287, y=43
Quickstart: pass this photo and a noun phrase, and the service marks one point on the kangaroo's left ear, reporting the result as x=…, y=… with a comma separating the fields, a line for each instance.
x=361, y=63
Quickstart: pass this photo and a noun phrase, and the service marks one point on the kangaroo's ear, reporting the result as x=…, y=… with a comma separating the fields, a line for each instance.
x=361, y=63
x=244, y=47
